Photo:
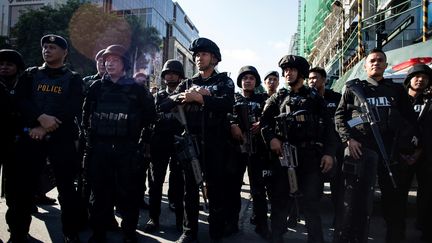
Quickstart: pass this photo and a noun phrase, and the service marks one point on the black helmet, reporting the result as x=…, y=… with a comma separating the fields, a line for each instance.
x=118, y=50
x=12, y=56
x=206, y=45
x=173, y=65
x=298, y=62
x=418, y=68
x=274, y=73
x=99, y=54
x=248, y=70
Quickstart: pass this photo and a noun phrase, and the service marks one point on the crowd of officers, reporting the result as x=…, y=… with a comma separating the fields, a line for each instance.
x=104, y=132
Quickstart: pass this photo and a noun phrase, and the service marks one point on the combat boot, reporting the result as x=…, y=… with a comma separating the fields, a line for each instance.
x=262, y=229
x=184, y=238
x=151, y=226
x=72, y=238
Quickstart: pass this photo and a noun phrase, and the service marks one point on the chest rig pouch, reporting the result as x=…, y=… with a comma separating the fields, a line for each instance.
x=297, y=120
x=113, y=116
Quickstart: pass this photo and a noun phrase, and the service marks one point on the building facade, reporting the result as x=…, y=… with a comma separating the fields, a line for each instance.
x=335, y=34
x=11, y=10
x=174, y=26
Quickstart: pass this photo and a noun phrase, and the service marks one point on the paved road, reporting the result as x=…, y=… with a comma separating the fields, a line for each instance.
x=46, y=225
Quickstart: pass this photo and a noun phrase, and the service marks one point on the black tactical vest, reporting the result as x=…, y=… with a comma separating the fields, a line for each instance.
x=115, y=114
x=302, y=115
x=50, y=93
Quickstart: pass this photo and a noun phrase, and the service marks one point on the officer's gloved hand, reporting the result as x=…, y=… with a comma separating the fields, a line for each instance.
x=176, y=98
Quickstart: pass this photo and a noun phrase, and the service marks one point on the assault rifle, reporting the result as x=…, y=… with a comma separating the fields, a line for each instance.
x=369, y=115
x=245, y=119
x=188, y=152
x=288, y=159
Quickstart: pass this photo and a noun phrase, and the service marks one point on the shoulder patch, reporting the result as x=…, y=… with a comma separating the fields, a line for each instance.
x=230, y=83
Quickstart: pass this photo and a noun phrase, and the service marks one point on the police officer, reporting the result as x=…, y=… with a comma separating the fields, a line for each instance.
x=11, y=67
x=318, y=79
x=49, y=97
x=363, y=159
x=305, y=126
x=271, y=82
x=418, y=83
x=163, y=152
x=83, y=187
x=250, y=150
x=115, y=111
x=100, y=67
x=207, y=97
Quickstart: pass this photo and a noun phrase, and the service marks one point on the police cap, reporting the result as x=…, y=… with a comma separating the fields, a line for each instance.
x=205, y=45
x=274, y=73
x=248, y=70
x=293, y=61
x=120, y=51
x=55, y=39
x=12, y=56
x=419, y=68
x=173, y=65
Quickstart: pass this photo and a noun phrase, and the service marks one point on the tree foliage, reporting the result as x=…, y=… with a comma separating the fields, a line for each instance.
x=33, y=24
x=87, y=28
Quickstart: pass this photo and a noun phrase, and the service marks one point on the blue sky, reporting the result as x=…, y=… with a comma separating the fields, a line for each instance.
x=248, y=32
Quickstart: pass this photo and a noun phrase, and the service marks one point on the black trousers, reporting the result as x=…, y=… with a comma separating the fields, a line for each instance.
x=213, y=162
x=311, y=189
x=162, y=154
x=23, y=173
x=115, y=171
x=356, y=198
x=256, y=164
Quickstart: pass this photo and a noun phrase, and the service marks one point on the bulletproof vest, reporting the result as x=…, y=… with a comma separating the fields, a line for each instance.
x=166, y=122
x=114, y=114
x=253, y=105
x=195, y=113
x=50, y=93
x=385, y=100
x=299, y=119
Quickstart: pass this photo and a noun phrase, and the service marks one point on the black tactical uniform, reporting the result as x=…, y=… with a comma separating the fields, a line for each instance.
x=206, y=122
x=56, y=92
x=88, y=80
x=82, y=184
x=114, y=114
x=332, y=100
x=163, y=153
x=359, y=176
x=252, y=154
x=10, y=117
x=423, y=166
x=312, y=133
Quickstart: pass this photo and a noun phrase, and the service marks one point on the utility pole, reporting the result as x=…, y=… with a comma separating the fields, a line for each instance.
x=359, y=29
x=340, y=5
x=425, y=19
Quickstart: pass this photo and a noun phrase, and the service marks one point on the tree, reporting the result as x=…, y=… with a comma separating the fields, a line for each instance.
x=87, y=28
x=33, y=24
x=143, y=40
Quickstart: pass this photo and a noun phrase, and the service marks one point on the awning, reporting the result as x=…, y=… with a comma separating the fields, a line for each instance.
x=399, y=61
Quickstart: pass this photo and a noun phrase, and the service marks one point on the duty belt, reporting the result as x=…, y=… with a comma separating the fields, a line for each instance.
x=167, y=116
x=309, y=144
